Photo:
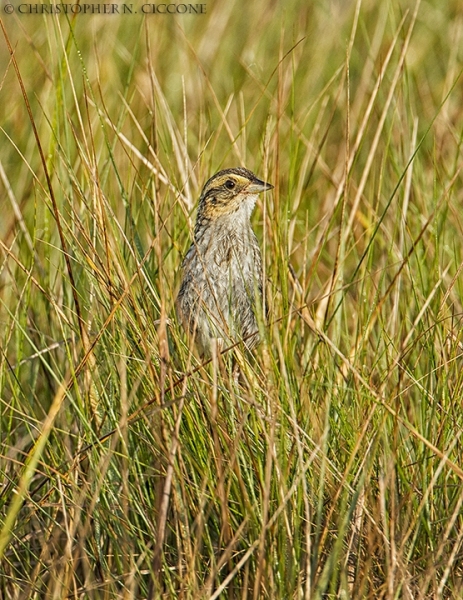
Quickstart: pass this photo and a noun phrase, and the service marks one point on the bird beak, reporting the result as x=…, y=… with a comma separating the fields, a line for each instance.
x=258, y=186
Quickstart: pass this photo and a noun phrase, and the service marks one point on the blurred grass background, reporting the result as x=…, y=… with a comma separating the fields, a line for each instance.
x=334, y=469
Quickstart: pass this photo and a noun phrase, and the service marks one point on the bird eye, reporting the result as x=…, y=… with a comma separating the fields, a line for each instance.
x=230, y=184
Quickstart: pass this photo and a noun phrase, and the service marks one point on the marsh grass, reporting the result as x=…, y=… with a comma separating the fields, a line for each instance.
x=333, y=468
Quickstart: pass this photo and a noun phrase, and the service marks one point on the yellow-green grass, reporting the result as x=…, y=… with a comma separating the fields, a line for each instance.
x=334, y=468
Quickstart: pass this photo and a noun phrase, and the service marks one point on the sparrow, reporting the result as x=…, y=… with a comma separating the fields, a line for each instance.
x=221, y=287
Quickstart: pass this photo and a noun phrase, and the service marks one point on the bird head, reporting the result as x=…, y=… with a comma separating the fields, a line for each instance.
x=228, y=191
